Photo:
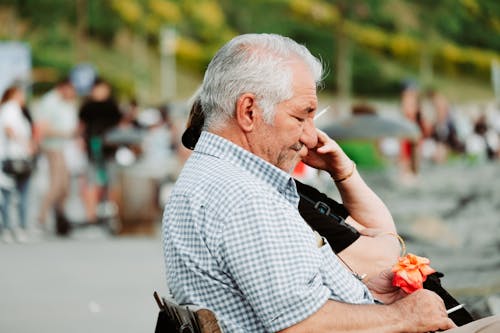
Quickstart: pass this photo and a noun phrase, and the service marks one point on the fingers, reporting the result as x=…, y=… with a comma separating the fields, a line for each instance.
x=323, y=139
x=326, y=144
x=426, y=310
x=449, y=324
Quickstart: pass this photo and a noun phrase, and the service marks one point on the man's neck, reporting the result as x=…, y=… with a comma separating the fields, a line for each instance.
x=233, y=133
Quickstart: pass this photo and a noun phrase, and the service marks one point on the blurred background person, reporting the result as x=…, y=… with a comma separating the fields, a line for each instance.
x=15, y=143
x=57, y=121
x=410, y=149
x=98, y=114
x=491, y=140
x=129, y=115
x=159, y=145
x=444, y=129
x=483, y=143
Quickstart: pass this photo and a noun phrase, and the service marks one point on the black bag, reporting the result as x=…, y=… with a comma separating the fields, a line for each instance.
x=175, y=318
x=18, y=168
x=461, y=316
x=324, y=216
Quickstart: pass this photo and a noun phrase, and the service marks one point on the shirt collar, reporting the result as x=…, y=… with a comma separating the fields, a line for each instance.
x=214, y=145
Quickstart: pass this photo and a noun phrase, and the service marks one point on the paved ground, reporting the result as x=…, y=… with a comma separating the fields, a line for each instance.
x=91, y=283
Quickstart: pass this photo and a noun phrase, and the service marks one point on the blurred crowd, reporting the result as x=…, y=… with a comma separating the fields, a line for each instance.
x=73, y=141
x=446, y=131
x=443, y=132
x=70, y=140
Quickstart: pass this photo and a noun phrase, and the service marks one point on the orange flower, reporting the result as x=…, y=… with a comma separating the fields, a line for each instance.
x=410, y=272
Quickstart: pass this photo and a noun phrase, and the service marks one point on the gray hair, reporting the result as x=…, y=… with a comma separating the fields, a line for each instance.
x=252, y=63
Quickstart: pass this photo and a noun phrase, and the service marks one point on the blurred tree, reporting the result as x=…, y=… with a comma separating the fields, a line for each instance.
x=477, y=24
x=44, y=13
x=430, y=15
x=102, y=22
x=363, y=41
x=81, y=30
x=423, y=33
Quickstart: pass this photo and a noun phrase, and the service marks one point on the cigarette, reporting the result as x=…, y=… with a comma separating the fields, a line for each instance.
x=455, y=308
x=322, y=112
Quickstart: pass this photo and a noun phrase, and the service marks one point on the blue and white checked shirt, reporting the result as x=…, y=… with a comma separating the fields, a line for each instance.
x=235, y=243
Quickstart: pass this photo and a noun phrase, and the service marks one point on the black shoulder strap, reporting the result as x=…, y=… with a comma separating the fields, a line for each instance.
x=324, y=209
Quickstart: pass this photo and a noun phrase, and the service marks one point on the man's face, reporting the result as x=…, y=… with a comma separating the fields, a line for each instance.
x=284, y=142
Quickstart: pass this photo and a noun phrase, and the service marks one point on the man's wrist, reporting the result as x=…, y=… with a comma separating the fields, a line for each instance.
x=346, y=175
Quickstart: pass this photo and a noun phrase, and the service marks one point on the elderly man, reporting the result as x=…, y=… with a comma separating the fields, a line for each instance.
x=234, y=240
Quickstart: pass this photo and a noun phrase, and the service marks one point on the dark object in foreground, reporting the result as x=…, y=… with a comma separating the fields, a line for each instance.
x=461, y=316
x=181, y=319
x=327, y=217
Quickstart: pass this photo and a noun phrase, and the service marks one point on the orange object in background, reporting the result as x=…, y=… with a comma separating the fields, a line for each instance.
x=300, y=170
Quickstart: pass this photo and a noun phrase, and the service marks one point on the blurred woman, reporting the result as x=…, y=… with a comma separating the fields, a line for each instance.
x=15, y=143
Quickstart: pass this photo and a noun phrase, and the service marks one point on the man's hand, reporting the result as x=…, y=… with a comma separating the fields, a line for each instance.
x=425, y=310
x=328, y=156
x=382, y=288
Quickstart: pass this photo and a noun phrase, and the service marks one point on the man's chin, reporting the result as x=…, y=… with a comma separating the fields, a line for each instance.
x=290, y=162
x=302, y=153
x=294, y=164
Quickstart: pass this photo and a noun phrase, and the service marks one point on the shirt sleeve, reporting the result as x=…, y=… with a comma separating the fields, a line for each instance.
x=273, y=257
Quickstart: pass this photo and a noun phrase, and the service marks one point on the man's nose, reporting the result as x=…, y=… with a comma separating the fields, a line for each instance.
x=309, y=136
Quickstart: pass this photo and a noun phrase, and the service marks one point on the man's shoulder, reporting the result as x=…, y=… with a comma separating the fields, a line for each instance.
x=215, y=179
x=218, y=173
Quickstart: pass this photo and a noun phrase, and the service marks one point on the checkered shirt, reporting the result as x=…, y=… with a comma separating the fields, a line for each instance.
x=235, y=243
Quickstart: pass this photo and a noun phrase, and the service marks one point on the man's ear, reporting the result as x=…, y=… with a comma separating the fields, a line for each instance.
x=246, y=111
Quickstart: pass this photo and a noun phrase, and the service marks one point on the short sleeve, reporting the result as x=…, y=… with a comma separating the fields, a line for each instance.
x=273, y=257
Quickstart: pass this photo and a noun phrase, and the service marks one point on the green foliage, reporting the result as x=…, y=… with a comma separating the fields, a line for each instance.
x=44, y=13
x=459, y=37
x=479, y=26
x=364, y=153
x=103, y=23
x=369, y=77
x=53, y=49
